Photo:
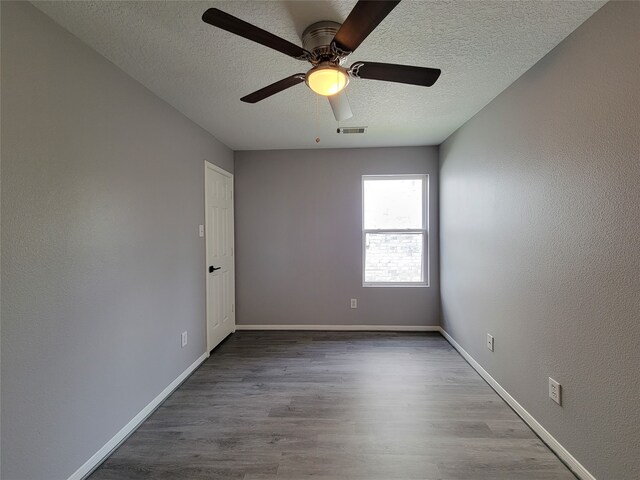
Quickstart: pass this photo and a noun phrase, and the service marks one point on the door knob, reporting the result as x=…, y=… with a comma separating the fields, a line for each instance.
x=213, y=269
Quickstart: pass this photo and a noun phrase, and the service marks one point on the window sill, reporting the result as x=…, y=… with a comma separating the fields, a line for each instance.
x=395, y=285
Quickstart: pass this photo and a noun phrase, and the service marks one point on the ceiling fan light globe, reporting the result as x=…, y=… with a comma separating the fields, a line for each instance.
x=327, y=80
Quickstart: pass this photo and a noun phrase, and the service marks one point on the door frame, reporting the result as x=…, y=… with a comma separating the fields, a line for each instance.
x=222, y=171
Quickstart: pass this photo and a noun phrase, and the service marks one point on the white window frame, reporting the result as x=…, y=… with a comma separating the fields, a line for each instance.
x=424, y=230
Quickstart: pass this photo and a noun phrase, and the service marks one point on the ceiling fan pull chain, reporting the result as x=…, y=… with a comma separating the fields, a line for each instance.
x=337, y=120
x=317, y=117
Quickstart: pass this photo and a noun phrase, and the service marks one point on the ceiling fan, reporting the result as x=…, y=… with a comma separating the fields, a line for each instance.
x=327, y=46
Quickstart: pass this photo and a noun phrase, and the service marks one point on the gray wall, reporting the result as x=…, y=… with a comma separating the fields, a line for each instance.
x=102, y=266
x=299, y=239
x=540, y=228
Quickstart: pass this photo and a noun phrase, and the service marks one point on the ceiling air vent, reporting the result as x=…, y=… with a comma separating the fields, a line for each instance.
x=352, y=130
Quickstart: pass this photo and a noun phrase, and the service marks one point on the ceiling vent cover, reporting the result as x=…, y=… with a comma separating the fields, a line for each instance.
x=352, y=130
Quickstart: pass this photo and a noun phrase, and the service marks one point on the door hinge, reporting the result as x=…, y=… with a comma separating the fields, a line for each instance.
x=232, y=251
x=233, y=306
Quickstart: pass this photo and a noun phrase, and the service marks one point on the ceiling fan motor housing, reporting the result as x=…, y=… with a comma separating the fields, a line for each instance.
x=317, y=38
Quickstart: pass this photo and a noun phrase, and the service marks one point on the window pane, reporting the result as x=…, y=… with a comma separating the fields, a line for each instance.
x=393, y=203
x=393, y=257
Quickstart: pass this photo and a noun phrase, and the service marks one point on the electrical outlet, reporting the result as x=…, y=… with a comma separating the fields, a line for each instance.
x=555, y=391
x=490, y=342
x=184, y=339
x=354, y=303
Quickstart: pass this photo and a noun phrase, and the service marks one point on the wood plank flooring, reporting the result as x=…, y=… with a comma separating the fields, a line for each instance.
x=334, y=405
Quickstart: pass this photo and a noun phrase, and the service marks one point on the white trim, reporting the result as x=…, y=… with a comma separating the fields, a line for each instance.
x=426, y=263
x=135, y=422
x=346, y=328
x=551, y=442
x=98, y=457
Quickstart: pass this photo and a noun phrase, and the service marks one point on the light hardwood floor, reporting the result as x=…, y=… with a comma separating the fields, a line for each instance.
x=334, y=405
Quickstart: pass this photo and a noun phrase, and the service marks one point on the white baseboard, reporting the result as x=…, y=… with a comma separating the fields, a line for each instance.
x=553, y=444
x=130, y=427
x=345, y=328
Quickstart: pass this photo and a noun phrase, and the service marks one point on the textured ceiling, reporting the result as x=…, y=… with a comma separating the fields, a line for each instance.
x=481, y=47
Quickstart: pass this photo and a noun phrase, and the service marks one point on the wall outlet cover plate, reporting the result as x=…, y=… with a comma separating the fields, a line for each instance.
x=490, y=341
x=555, y=391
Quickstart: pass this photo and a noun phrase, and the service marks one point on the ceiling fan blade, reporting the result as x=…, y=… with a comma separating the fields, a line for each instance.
x=274, y=88
x=232, y=24
x=340, y=106
x=395, y=73
x=362, y=20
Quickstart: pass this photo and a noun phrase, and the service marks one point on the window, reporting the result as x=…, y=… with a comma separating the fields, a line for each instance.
x=395, y=230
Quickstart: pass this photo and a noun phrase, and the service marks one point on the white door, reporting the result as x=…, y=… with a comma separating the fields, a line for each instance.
x=220, y=266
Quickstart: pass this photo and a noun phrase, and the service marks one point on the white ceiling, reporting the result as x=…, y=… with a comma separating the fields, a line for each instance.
x=481, y=47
